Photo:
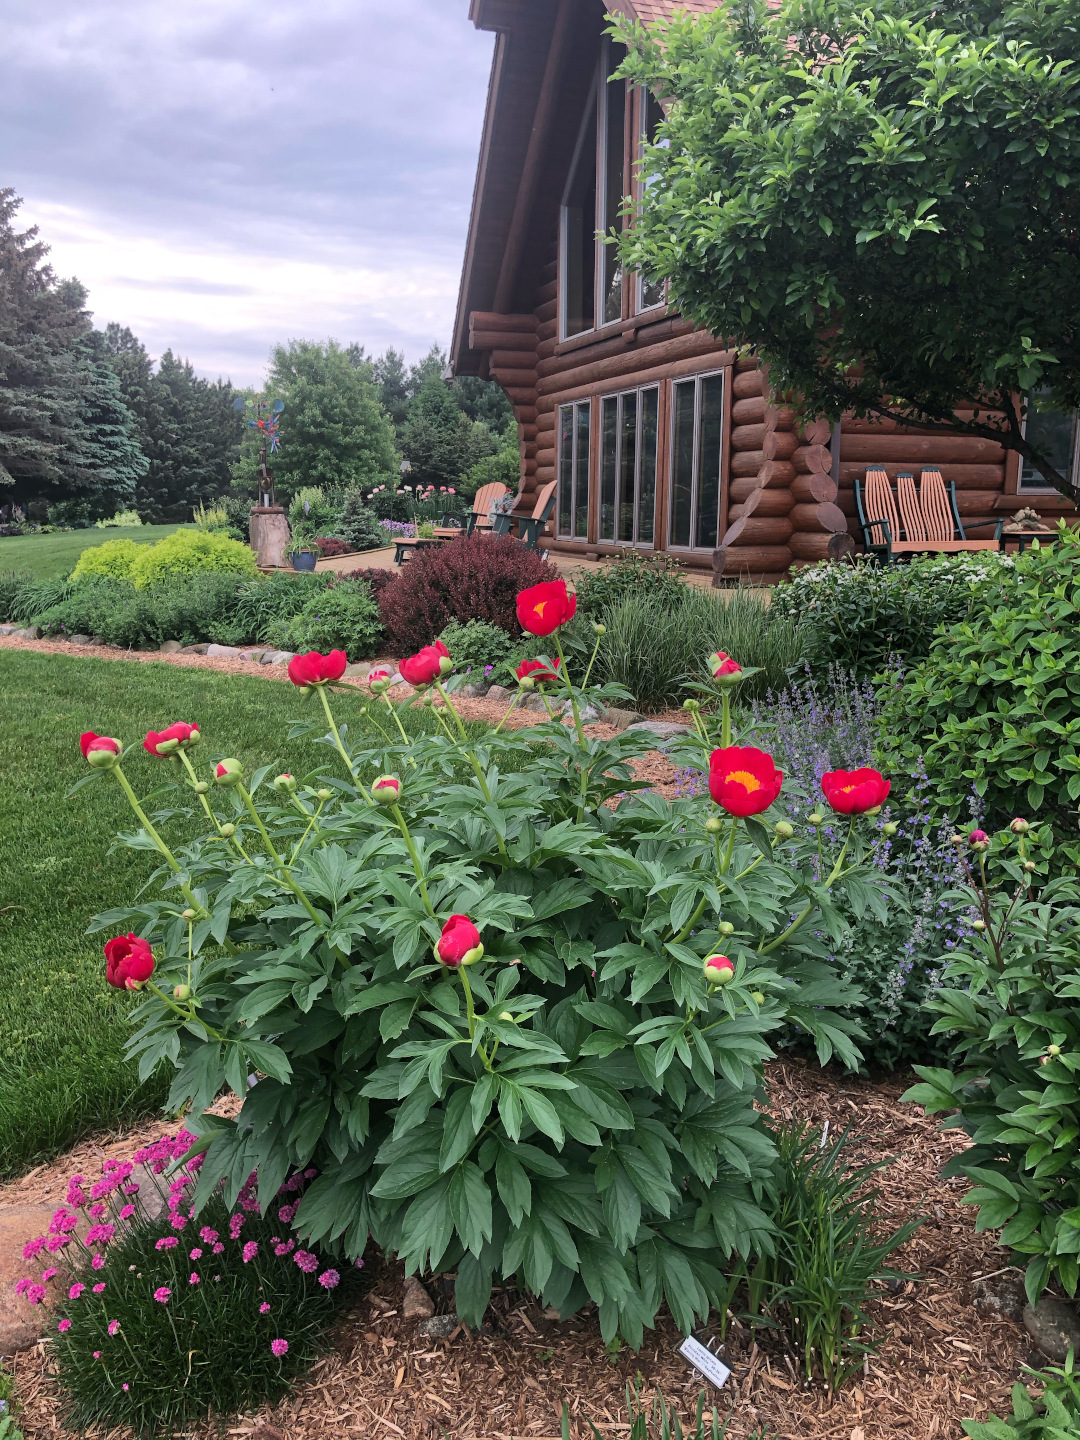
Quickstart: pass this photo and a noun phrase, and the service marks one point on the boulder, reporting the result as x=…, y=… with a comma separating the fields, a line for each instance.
x=199, y=649
x=357, y=672
x=663, y=729
x=21, y=1324
x=223, y=652
x=397, y=679
x=588, y=713
x=255, y=654
x=473, y=692
x=79, y=640
x=169, y=647
x=97, y=639
x=1001, y=1295
x=498, y=692
x=621, y=719
x=8, y=629
x=1054, y=1325
x=276, y=657
x=29, y=632
x=416, y=1303
x=439, y=1327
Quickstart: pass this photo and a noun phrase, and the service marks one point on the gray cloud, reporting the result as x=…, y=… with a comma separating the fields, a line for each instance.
x=337, y=135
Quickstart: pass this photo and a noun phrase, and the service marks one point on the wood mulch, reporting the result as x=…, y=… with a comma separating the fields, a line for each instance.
x=940, y=1359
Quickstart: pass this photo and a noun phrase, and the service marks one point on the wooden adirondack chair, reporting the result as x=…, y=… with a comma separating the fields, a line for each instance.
x=485, y=498
x=531, y=527
x=912, y=522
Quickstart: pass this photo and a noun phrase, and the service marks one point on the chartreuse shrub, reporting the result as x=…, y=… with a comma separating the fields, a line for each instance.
x=1011, y=1001
x=185, y=552
x=487, y=1000
x=860, y=616
x=115, y=560
x=995, y=707
x=160, y=1317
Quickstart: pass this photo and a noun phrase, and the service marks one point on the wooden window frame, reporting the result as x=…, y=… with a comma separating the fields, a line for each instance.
x=590, y=469
x=725, y=373
x=619, y=396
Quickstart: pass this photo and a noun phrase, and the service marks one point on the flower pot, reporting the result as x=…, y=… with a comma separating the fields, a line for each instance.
x=304, y=561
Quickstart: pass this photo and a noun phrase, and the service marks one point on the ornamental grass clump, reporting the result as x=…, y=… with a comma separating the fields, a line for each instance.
x=160, y=1314
x=516, y=1022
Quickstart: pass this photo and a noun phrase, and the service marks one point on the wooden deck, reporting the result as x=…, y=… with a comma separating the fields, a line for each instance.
x=568, y=565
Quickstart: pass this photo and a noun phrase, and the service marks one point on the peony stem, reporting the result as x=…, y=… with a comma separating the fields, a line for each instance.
x=296, y=849
x=337, y=738
x=397, y=718
x=169, y=857
x=808, y=910
x=725, y=723
x=450, y=706
x=283, y=869
x=573, y=694
x=209, y=810
x=418, y=869
x=509, y=711
x=592, y=659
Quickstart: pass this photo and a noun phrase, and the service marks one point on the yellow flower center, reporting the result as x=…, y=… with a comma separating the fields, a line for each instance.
x=744, y=778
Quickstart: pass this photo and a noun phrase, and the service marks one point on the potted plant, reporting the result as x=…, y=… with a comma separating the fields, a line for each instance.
x=303, y=553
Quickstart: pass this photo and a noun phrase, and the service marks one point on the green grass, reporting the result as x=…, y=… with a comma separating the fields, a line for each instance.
x=50, y=557
x=62, y=1030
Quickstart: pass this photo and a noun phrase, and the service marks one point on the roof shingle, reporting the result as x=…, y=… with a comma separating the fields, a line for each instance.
x=651, y=10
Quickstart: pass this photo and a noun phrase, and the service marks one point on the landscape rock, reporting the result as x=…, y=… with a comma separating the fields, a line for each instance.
x=223, y=652
x=1002, y=1294
x=473, y=692
x=252, y=654
x=97, y=639
x=21, y=1324
x=664, y=729
x=276, y=657
x=30, y=632
x=1054, y=1325
x=199, y=649
x=79, y=640
x=588, y=713
x=8, y=629
x=170, y=647
x=416, y=1303
x=532, y=702
x=498, y=692
x=397, y=679
x=621, y=719
x=357, y=672
x=439, y=1327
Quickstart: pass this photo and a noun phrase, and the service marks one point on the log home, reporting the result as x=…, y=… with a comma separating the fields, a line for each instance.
x=661, y=438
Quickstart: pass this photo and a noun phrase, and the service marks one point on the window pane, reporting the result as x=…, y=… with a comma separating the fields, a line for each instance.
x=712, y=425
x=614, y=93
x=581, y=468
x=609, y=457
x=650, y=407
x=1054, y=432
x=628, y=469
x=682, y=476
x=579, y=235
x=650, y=292
x=566, y=466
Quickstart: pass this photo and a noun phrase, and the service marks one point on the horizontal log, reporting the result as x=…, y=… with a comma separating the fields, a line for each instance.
x=548, y=330
x=548, y=292
x=546, y=348
x=526, y=432
x=547, y=310
x=504, y=343
x=780, y=417
x=812, y=459
x=813, y=489
x=525, y=415
x=753, y=580
x=806, y=546
x=523, y=359
x=759, y=530
x=737, y=559
x=628, y=378
x=545, y=454
x=741, y=488
x=520, y=379
x=816, y=432
x=520, y=394
x=748, y=437
x=750, y=411
x=779, y=445
x=747, y=383
x=747, y=462
x=562, y=362
x=504, y=324
x=841, y=546
x=763, y=503
x=964, y=477
x=919, y=449
x=824, y=517
x=575, y=368
x=776, y=474
x=747, y=363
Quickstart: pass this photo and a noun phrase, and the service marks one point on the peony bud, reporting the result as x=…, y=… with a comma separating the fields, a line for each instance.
x=526, y=683
x=1053, y=1049
x=757, y=997
x=814, y=819
x=459, y=943
x=446, y=665
x=200, y=787
x=229, y=772
x=1029, y=865
x=979, y=840
x=783, y=830
x=100, y=751
x=285, y=784
x=692, y=705
x=386, y=790
x=979, y=925
x=324, y=795
x=726, y=927
x=718, y=969
x=1044, y=1059
x=599, y=629
x=724, y=670
x=182, y=992
x=1019, y=826
x=714, y=825
x=889, y=829
x=187, y=914
x=228, y=831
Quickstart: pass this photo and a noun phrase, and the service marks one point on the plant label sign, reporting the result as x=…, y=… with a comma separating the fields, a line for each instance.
x=704, y=1360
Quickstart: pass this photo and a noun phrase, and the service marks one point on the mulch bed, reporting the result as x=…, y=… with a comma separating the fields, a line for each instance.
x=941, y=1359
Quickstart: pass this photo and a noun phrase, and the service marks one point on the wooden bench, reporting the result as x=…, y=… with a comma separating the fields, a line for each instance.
x=905, y=522
x=405, y=547
x=481, y=506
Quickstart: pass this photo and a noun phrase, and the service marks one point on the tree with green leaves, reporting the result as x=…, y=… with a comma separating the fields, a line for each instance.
x=883, y=202
x=333, y=429
x=439, y=440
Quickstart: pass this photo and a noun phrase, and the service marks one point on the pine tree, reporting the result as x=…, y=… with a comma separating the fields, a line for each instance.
x=440, y=442
x=333, y=428
x=392, y=380
x=109, y=440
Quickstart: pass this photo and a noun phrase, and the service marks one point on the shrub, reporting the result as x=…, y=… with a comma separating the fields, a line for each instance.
x=995, y=708
x=189, y=610
x=216, y=517
x=122, y=520
x=331, y=545
x=475, y=645
x=155, y=1305
x=861, y=615
x=583, y=1135
x=115, y=559
x=1013, y=1009
x=629, y=576
x=475, y=578
x=358, y=524
x=657, y=643
x=1053, y=1415
x=376, y=580
x=261, y=605
x=310, y=509
x=185, y=552
x=342, y=617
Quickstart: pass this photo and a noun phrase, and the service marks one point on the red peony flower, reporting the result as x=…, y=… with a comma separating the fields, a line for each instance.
x=718, y=969
x=721, y=663
x=459, y=943
x=538, y=671
x=179, y=732
x=541, y=609
x=426, y=665
x=378, y=677
x=316, y=669
x=129, y=962
x=101, y=751
x=743, y=781
x=853, y=792
x=386, y=789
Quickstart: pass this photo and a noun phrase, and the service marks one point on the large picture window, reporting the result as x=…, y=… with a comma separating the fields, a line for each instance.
x=1055, y=433
x=697, y=430
x=650, y=292
x=575, y=423
x=628, y=428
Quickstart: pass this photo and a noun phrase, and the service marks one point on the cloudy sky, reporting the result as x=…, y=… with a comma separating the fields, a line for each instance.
x=223, y=174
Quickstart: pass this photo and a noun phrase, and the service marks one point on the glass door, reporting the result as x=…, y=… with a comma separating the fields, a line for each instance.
x=628, y=425
x=697, y=427
x=575, y=423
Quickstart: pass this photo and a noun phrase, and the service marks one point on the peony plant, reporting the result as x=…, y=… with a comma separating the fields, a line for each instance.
x=512, y=1005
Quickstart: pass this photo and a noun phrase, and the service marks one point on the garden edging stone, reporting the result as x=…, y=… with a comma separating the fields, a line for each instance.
x=21, y=1324
x=1054, y=1325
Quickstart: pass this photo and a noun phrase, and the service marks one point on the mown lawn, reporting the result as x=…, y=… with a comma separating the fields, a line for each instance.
x=50, y=557
x=62, y=1029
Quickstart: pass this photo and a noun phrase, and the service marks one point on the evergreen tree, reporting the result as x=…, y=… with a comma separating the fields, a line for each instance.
x=333, y=429
x=108, y=443
x=392, y=379
x=484, y=401
x=440, y=442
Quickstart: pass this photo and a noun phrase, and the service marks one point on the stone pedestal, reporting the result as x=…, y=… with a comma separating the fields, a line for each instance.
x=270, y=534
